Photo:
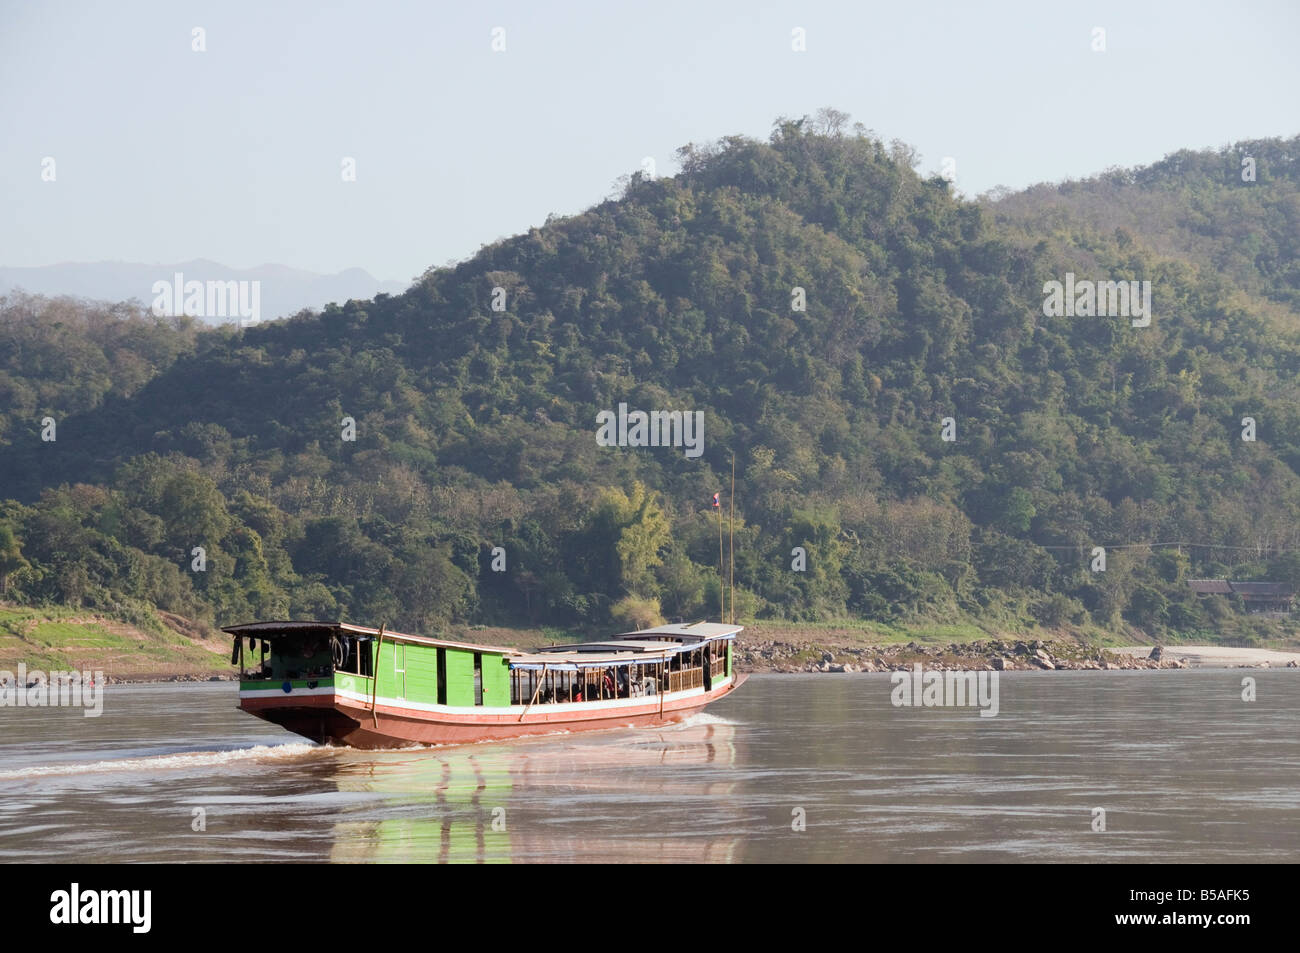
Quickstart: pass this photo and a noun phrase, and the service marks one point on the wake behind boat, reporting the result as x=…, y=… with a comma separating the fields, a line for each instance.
x=318, y=679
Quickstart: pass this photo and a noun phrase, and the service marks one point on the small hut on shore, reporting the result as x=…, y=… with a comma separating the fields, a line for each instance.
x=1272, y=597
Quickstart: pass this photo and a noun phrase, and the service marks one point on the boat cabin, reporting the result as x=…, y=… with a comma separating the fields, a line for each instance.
x=670, y=658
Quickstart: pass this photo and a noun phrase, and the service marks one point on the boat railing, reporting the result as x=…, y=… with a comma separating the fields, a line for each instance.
x=686, y=679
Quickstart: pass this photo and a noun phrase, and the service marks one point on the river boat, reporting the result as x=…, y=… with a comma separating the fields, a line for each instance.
x=338, y=683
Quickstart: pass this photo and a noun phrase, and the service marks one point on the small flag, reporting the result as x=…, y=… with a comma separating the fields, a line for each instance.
x=716, y=504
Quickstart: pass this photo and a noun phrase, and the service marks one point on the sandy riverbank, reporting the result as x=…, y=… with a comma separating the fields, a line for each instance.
x=1218, y=656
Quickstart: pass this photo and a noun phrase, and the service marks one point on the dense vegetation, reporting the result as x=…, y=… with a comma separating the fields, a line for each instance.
x=475, y=428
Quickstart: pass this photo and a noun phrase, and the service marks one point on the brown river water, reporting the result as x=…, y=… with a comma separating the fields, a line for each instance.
x=790, y=768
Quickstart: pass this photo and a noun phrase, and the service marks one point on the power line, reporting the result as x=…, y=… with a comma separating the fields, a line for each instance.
x=1176, y=543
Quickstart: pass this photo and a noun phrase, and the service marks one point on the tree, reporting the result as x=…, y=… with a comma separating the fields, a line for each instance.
x=633, y=529
x=830, y=122
x=194, y=511
x=11, y=556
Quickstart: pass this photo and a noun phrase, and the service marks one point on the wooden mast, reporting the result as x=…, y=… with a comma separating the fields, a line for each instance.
x=538, y=690
x=374, y=688
x=732, y=541
x=722, y=572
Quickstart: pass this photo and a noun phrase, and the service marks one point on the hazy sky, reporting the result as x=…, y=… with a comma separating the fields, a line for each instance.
x=164, y=154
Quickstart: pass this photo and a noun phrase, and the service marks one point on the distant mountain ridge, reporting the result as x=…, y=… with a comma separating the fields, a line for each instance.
x=284, y=290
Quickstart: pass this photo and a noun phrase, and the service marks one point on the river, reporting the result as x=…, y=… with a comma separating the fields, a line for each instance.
x=789, y=768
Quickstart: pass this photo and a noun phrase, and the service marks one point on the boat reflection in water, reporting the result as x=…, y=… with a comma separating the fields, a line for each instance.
x=607, y=796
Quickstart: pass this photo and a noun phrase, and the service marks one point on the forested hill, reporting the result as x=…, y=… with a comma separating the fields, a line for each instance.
x=1235, y=211
x=822, y=304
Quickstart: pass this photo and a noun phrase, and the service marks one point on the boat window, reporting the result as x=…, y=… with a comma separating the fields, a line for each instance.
x=349, y=655
x=680, y=671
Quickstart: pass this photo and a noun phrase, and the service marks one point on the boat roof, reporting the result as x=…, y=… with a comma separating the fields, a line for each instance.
x=622, y=649
x=269, y=630
x=689, y=630
x=618, y=645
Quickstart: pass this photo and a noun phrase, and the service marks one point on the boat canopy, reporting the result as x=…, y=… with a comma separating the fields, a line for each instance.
x=556, y=662
x=625, y=649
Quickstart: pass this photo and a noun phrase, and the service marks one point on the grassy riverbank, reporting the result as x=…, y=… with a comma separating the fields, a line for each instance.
x=63, y=639
x=163, y=645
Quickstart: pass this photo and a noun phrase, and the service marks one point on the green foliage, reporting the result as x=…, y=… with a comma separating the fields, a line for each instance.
x=632, y=612
x=475, y=427
x=636, y=526
x=1059, y=609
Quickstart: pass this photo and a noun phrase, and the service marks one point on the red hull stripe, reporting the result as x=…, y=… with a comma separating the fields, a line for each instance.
x=327, y=715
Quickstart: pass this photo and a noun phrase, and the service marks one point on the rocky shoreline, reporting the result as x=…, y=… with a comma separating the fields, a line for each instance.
x=147, y=679
x=774, y=656
x=997, y=655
